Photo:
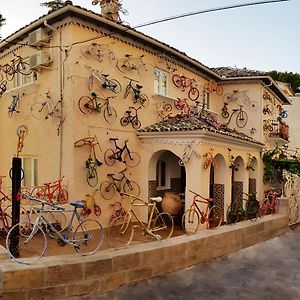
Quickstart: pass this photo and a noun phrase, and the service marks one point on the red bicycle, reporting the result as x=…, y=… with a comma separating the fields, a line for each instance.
x=185, y=82
x=51, y=190
x=270, y=204
x=181, y=104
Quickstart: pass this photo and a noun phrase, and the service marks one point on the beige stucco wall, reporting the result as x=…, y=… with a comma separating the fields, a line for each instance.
x=67, y=77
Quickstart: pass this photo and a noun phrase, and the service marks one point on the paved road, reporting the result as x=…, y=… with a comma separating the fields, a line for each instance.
x=270, y=270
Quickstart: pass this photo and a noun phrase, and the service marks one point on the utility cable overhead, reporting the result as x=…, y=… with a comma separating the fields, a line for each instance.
x=206, y=11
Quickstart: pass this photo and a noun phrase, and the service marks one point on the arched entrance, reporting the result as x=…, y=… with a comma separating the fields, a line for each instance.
x=166, y=175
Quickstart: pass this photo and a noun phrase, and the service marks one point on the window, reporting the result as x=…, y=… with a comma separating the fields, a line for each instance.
x=161, y=175
x=20, y=80
x=30, y=167
x=160, y=82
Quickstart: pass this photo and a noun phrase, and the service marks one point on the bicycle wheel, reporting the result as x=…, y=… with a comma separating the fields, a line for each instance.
x=219, y=90
x=241, y=119
x=30, y=248
x=136, y=124
x=62, y=196
x=163, y=225
x=225, y=114
x=207, y=88
x=38, y=192
x=91, y=176
x=232, y=214
x=123, y=65
x=177, y=80
x=132, y=159
x=120, y=232
x=86, y=105
x=167, y=107
x=215, y=217
x=252, y=210
x=89, y=237
x=57, y=219
x=97, y=210
x=109, y=157
x=23, y=68
x=190, y=221
x=5, y=222
x=132, y=188
x=40, y=110
x=124, y=121
x=10, y=72
x=24, y=214
x=110, y=114
x=193, y=94
x=144, y=100
x=114, y=86
x=107, y=190
x=128, y=88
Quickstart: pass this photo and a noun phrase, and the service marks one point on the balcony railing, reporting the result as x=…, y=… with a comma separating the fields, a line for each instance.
x=279, y=129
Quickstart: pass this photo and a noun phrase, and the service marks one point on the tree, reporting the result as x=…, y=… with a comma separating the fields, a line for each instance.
x=288, y=77
x=53, y=5
x=2, y=22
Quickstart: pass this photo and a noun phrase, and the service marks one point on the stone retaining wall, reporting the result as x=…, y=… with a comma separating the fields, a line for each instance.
x=71, y=275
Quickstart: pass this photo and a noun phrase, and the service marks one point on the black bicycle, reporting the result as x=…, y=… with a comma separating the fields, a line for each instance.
x=137, y=94
x=14, y=106
x=241, y=116
x=131, y=117
x=124, y=155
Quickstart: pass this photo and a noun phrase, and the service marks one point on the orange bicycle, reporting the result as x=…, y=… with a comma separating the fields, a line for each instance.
x=210, y=87
x=212, y=215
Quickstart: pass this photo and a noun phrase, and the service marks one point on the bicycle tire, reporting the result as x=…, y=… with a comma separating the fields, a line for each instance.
x=5, y=222
x=10, y=73
x=84, y=141
x=123, y=65
x=24, y=68
x=89, y=237
x=110, y=114
x=120, y=232
x=215, y=217
x=176, y=79
x=219, y=90
x=132, y=188
x=107, y=190
x=114, y=86
x=91, y=176
x=190, y=221
x=167, y=107
x=109, y=157
x=163, y=225
x=124, y=121
x=62, y=196
x=193, y=94
x=97, y=210
x=29, y=251
x=136, y=124
x=86, y=105
x=24, y=215
x=40, y=110
x=225, y=114
x=241, y=119
x=132, y=160
x=127, y=91
x=207, y=88
x=144, y=100
x=252, y=210
x=232, y=214
x=38, y=192
x=181, y=162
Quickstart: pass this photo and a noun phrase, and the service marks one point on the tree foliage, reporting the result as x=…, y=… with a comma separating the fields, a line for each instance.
x=2, y=22
x=53, y=5
x=288, y=77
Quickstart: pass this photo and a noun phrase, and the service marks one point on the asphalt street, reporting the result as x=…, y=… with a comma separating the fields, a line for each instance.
x=269, y=270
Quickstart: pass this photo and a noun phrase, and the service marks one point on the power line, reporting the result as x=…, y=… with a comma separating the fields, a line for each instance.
x=206, y=11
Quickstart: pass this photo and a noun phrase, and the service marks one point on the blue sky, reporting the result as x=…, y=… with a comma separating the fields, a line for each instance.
x=262, y=37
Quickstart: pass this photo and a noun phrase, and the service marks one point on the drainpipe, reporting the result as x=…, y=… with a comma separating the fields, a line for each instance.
x=60, y=88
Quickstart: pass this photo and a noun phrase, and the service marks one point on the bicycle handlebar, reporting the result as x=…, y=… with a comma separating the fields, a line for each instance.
x=43, y=202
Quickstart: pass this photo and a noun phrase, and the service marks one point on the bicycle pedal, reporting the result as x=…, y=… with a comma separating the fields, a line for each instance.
x=157, y=237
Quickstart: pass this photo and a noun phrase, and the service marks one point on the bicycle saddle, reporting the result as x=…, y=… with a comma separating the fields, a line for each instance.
x=156, y=199
x=105, y=75
x=78, y=203
x=139, y=86
x=113, y=139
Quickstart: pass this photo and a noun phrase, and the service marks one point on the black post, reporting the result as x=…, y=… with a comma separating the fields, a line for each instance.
x=16, y=177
